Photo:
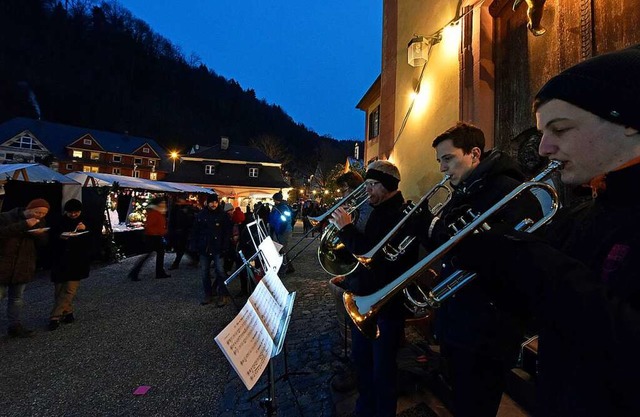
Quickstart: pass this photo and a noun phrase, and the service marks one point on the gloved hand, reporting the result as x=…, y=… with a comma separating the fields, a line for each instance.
x=419, y=225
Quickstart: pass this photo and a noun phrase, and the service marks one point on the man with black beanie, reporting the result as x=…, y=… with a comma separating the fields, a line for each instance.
x=582, y=283
x=375, y=360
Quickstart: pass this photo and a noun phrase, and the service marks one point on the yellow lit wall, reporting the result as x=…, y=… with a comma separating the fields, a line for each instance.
x=436, y=107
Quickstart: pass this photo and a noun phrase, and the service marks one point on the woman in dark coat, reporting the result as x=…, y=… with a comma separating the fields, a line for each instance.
x=71, y=262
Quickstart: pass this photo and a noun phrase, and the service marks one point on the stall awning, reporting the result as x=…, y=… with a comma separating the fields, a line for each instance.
x=33, y=172
x=89, y=179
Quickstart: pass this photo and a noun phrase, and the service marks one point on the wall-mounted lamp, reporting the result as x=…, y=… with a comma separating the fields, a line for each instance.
x=418, y=49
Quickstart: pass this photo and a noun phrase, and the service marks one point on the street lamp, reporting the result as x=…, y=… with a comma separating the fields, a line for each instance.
x=174, y=156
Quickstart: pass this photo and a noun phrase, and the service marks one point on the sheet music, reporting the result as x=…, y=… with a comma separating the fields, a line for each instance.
x=271, y=254
x=247, y=345
x=277, y=289
x=249, y=341
x=267, y=308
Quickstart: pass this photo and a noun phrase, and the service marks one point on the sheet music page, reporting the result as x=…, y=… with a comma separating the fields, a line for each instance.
x=271, y=254
x=275, y=286
x=247, y=345
x=267, y=308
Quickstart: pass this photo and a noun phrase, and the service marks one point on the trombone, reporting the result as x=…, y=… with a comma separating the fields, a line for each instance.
x=392, y=253
x=352, y=201
x=363, y=309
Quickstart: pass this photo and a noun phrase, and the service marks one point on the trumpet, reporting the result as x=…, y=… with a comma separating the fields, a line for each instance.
x=363, y=309
x=392, y=253
x=332, y=255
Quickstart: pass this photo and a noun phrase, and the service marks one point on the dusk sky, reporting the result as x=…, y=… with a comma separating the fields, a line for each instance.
x=314, y=59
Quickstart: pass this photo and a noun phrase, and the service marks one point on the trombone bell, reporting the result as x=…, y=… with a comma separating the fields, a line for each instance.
x=363, y=322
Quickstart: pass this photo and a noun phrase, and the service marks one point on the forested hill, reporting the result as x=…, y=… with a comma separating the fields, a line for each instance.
x=94, y=64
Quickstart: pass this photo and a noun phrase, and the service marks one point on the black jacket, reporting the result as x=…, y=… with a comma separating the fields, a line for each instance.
x=71, y=261
x=475, y=318
x=584, y=290
x=212, y=232
x=365, y=281
x=590, y=316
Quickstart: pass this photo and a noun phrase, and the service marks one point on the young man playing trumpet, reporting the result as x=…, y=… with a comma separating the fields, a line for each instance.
x=375, y=360
x=583, y=282
x=478, y=340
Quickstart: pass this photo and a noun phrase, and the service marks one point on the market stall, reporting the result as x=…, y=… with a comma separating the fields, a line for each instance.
x=126, y=202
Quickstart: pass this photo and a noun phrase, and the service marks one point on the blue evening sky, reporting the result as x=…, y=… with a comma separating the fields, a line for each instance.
x=315, y=59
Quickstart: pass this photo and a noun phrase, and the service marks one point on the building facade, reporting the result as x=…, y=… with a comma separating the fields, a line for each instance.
x=479, y=63
x=69, y=148
x=242, y=175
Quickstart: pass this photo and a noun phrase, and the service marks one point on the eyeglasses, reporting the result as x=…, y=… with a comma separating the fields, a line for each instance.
x=371, y=184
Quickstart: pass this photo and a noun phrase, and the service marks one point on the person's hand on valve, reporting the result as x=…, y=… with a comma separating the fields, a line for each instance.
x=340, y=218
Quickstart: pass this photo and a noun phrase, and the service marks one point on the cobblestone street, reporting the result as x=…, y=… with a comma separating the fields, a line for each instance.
x=155, y=333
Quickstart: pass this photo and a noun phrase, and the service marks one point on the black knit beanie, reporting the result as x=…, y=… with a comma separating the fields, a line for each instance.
x=73, y=205
x=607, y=85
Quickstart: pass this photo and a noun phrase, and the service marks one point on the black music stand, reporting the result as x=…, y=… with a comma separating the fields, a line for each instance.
x=268, y=403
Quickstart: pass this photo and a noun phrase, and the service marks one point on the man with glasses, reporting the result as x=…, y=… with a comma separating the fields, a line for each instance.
x=375, y=360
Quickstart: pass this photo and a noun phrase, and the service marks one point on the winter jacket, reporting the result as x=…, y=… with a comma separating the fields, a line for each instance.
x=582, y=285
x=156, y=224
x=71, y=260
x=364, y=281
x=212, y=232
x=472, y=319
x=17, y=248
x=280, y=218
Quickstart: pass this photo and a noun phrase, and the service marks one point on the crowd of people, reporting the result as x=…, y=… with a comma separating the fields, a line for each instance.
x=210, y=236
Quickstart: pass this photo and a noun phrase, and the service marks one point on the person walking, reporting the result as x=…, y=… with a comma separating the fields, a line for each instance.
x=71, y=262
x=21, y=229
x=155, y=229
x=181, y=219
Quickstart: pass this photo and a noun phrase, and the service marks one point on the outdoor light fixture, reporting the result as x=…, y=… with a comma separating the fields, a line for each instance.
x=418, y=49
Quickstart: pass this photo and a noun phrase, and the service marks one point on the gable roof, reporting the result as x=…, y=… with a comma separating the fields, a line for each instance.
x=232, y=153
x=56, y=136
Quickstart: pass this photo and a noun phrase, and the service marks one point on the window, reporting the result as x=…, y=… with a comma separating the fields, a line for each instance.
x=152, y=162
x=117, y=158
x=136, y=174
x=88, y=168
x=77, y=154
x=69, y=167
x=210, y=169
x=95, y=156
x=374, y=123
x=8, y=157
x=87, y=141
x=253, y=172
x=116, y=171
x=153, y=176
x=137, y=161
x=25, y=142
x=145, y=150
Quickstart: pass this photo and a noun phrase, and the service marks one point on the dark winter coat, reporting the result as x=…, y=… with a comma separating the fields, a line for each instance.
x=18, y=247
x=584, y=291
x=212, y=232
x=71, y=260
x=365, y=281
x=472, y=319
x=589, y=363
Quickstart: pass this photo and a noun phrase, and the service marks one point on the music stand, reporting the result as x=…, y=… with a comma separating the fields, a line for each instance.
x=268, y=402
